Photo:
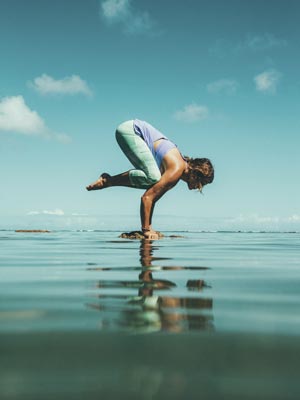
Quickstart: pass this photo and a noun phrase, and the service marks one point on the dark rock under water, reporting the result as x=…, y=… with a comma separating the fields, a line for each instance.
x=33, y=230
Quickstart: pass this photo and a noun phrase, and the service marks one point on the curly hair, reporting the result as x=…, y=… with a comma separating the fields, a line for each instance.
x=202, y=168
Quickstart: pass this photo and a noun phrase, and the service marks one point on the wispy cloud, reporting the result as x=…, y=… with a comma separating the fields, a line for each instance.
x=115, y=9
x=267, y=81
x=228, y=86
x=260, y=42
x=56, y=212
x=69, y=85
x=122, y=12
x=263, y=222
x=294, y=218
x=250, y=43
x=255, y=218
x=17, y=117
x=192, y=113
x=79, y=215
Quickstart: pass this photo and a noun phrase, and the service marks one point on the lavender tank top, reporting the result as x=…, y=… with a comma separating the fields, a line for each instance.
x=150, y=134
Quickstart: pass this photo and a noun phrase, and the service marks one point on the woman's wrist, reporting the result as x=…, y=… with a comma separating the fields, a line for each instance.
x=146, y=229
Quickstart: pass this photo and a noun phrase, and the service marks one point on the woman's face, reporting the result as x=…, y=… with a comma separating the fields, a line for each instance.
x=193, y=181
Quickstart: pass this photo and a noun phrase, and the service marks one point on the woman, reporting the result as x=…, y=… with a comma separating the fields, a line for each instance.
x=159, y=166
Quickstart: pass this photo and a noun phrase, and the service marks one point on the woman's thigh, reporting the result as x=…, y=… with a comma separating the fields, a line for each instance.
x=135, y=148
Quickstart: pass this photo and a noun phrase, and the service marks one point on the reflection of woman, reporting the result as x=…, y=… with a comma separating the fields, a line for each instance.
x=169, y=309
x=155, y=308
x=158, y=168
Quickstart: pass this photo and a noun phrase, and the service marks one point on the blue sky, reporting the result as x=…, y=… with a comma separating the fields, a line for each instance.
x=220, y=78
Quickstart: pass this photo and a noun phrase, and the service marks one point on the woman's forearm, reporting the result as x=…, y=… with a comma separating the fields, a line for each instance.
x=146, y=210
x=152, y=195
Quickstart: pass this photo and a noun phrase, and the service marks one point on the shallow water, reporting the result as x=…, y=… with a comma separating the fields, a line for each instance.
x=227, y=295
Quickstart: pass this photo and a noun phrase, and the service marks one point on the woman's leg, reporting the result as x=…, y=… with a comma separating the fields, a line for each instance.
x=147, y=172
x=105, y=180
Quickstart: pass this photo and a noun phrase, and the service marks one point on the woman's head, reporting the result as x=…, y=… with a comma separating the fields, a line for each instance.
x=201, y=172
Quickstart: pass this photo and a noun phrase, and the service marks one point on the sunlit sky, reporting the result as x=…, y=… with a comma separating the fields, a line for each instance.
x=219, y=78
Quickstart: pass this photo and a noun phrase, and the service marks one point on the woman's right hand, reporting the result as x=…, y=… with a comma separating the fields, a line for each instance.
x=150, y=235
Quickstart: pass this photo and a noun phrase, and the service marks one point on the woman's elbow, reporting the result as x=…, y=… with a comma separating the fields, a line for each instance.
x=146, y=198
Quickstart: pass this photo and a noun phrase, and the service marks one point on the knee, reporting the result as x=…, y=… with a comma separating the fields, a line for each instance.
x=125, y=128
x=153, y=178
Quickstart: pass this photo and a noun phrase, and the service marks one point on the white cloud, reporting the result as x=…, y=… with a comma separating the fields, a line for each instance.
x=192, y=113
x=16, y=116
x=57, y=212
x=267, y=81
x=228, y=86
x=79, y=215
x=122, y=12
x=69, y=85
x=294, y=218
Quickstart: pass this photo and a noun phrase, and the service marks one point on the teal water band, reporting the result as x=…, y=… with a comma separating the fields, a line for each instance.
x=146, y=172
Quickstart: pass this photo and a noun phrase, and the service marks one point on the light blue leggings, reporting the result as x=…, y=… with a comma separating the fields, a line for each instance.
x=138, y=153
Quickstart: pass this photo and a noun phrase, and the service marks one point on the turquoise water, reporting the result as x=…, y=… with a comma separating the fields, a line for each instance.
x=90, y=314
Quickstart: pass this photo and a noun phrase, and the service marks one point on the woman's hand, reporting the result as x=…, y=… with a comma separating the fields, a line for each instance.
x=150, y=234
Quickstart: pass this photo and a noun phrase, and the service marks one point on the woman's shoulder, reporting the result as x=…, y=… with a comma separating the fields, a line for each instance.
x=174, y=160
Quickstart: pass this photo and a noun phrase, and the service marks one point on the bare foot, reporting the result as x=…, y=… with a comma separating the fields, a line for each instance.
x=101, y=183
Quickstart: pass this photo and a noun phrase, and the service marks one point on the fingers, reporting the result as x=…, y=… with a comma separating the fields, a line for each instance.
x=152, y=235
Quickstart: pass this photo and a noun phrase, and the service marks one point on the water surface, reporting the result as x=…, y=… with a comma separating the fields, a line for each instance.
x=229, y=295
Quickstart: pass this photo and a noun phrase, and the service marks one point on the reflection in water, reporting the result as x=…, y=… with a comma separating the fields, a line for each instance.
x=150, y=310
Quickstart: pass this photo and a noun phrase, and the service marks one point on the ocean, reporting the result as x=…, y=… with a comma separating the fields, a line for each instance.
x=212, y=315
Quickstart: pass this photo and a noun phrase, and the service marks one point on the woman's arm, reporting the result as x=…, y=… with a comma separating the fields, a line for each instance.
x=173, y=166
x=168, y=180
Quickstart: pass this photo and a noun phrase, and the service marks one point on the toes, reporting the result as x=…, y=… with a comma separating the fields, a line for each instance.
x=101, y=183
x=96, y=185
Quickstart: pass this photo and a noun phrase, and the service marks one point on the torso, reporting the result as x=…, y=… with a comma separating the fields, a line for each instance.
x=172, y=158
x=167, y=156
x=156, y=143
